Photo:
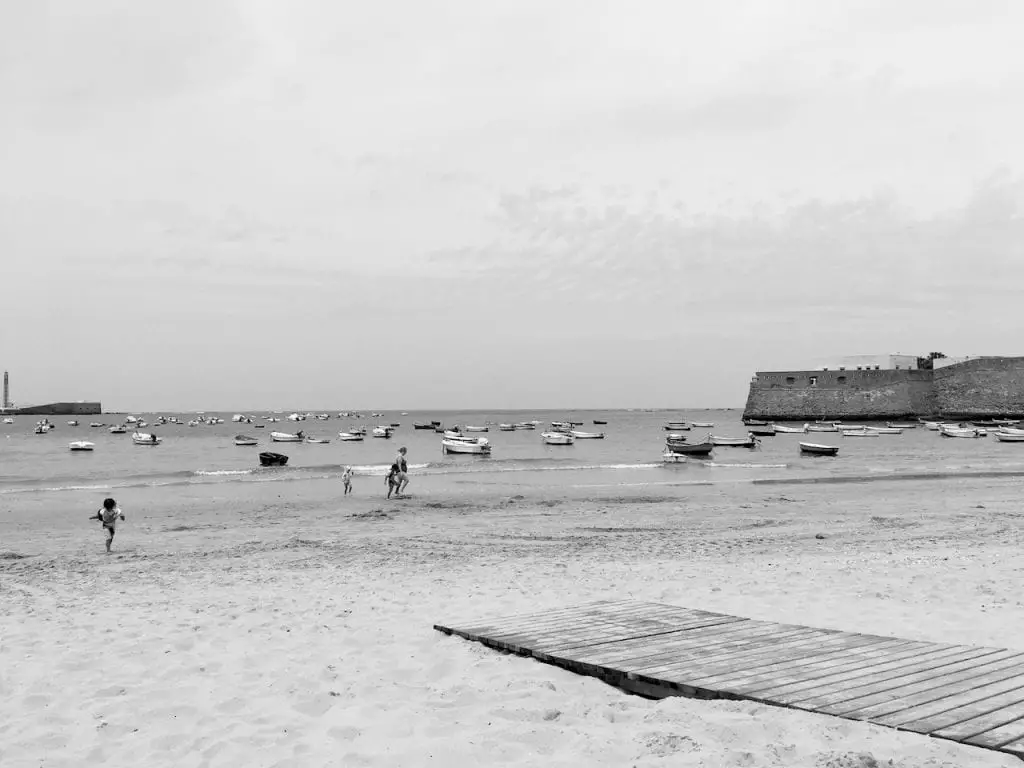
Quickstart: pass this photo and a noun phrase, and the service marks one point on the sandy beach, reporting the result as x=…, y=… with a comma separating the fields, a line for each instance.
x=295, y=628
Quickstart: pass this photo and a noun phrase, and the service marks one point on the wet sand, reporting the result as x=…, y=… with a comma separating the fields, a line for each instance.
x=293, y=627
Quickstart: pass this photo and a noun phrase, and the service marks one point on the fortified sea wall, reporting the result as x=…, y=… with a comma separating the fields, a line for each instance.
x=58, y=409
x=984, y=387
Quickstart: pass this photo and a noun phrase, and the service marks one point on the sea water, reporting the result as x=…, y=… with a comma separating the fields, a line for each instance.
x=630, y=455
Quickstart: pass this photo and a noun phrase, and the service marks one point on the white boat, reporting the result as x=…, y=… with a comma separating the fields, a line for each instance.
x=296, y=417
x=384, y=432
x=821, y=428
x=317, y=440
x=887, y=430
x=673, y=458
x=677, y=426
x=246, y=440
x=790, y=430
x=1010, y=431
x=238, y=417
x=703, y=424
x=146, y=438
x=42, y=429
x=525, y=425
x=858, y=433
x=817, y=449
x=898, y=425
x=73, y=423
x=350, y=437
x=472, y=445
x=851, y=427
x=1009, y=437
x=507, y=427
x=740, y=442
x=95, y=424
x=476, y=429
x=969, y=432
x=558, y=438
x=286, y=437
x=932, y=425
x=130, y=419
x=587, y=435
x=8, y=420
x=561, y=426
x=118, y=430
x=81, y=445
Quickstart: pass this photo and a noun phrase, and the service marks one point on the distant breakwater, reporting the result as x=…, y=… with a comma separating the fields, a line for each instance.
x=989, y=387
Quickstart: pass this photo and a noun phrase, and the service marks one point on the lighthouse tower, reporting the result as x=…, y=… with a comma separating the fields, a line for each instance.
x=7, y=393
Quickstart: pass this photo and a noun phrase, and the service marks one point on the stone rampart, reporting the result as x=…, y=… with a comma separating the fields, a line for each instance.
x=983, y=387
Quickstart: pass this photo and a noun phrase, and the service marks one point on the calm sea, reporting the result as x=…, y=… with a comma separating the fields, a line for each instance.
x=629, y=456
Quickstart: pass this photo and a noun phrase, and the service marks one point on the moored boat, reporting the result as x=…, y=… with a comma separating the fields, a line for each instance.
x=317, y=440
x=816, y=427
x=587, y=435
x=686, y=449
x=350, y=437
x=886, y=430
x=676, y=426
x=703, y=424
x=422, y=425
x=858, y=433
x=818, y=449
x=965, y=432
x=507, y=427
x=119, y=429
x=382, y=432
x=600, y=421
x=73, y=423
x=146, y=438
x=557, y=438
x=270, y=459
x=476, y=429
x=780, y=430
x=470, y=445
x=245, y=440
x=767, y=431
x=750, y=441
x=1009, y=437
x=287, y=437
x=525, y=425
x=81, y=445
x=900, y=425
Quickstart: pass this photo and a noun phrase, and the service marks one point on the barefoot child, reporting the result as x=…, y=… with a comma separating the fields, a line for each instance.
x=109, y=514
x=392, y=480
x=346, y=479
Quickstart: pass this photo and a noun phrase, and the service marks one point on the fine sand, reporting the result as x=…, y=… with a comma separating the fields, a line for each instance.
x=293, y=627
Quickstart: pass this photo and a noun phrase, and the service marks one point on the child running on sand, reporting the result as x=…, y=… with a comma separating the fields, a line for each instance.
x=109, y=514
x=346, y=479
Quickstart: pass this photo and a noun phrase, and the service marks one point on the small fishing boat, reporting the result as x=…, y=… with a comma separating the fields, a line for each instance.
x=259, y=426
x=932, y=425
x=1009, y=437
x=422, y=425
x=780, y=430
x=1010, y=431
x=686, y=449
x=900, y=425
x=269, y=459
x=886, y=430
x=350, y=437
x=768, y=431
x=317, y=440
x=557, y=438
x=395, y=425
x=42, y=429
x=287, y=437
x=120, y=429
x=476, y=429
x=357, y=430
x=245, y=440
x=382, y=432
x=676, y=426
x=817, y=449
x=750, y=441
x=600, y=421
x=93, y=424
x=146, y=438
x=73, y=423
x=587, y=435
x=816, y=427
x=858, y=433
x=969, y=432
x=754, y=423
x=507, y=427
x=526, y=425
x=9, y=420
x=703, y=424
x=561, y=426
x=81, y=445
x=470, y=445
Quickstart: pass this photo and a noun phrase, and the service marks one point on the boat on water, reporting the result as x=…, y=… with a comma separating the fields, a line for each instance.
x=81, y=445
x=600, y=421
x=146, y=438
x=476, y=429
x=382, y=432
x=1009, y=437
x=317, y=440
x=42, y=429
x=423, y=425
x=269, y=459
x=900, y=425
x=357, y=430
x=259, y=426
x=1010, y=431
x=676, y=426
x=816, y=427
x=9, y=420
x=965, y=432
x=687, y=449
x=557, y=438
x=754, y=423
x=561, y=426
x=119, y=429
x=507, y=427
x=245, y=440
x=780, y=430
x=886, y=430
x=587, y=435
x=702, y=424
x=768, y=431
x=287, y=437
x=817, y=449
x=932, y=425
x=73, y=423
x=469, y=445
x=750, y=441
x=858, y=433
x=525, y=425
x=93, y=424
x=350, y=437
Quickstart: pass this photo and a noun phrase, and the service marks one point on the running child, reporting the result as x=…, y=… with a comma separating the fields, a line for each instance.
x=109, y=514
x=346, y=479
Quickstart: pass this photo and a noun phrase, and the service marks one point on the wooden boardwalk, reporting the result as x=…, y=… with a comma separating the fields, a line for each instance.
x=963, y=693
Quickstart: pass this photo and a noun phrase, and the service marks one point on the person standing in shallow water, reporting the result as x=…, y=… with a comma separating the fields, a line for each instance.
x=403, y=472
x=109, y=514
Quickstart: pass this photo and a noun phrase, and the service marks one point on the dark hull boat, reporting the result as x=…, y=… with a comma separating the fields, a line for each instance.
x=816, y=449
x=598, y=421
x=768, y=431
x=688, y=449
x=423, y=425
x=269, y=459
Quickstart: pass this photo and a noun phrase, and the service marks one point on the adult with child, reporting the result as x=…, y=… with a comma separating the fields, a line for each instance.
x=403, y=471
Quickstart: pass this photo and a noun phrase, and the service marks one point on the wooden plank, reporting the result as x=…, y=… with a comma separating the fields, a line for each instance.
x=678, y=630
x=543, y=618
x=889, y=680
x=956, y=708
x=1001, y=735
x=566, y=646
x=984, y=730
x=563, y=622
x=789, y=686
x=994, y=668
x=1014, y=748
x=539, y=615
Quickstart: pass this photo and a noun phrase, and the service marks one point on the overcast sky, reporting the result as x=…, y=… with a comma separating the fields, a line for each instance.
x=249, y=204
